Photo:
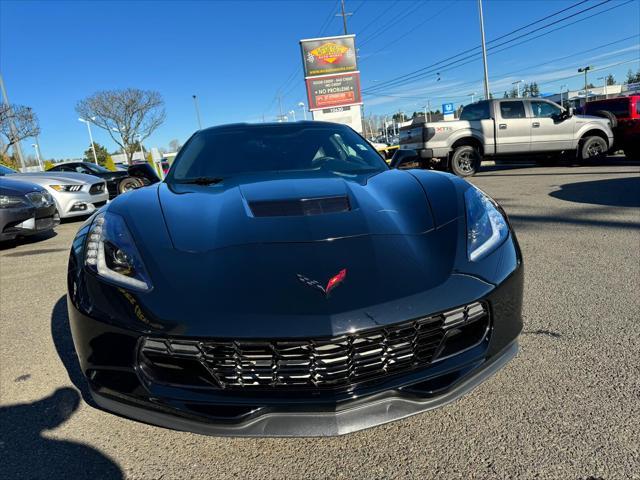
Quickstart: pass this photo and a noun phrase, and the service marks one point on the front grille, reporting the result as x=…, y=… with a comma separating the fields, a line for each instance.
x=96, y=188
x=310, y=363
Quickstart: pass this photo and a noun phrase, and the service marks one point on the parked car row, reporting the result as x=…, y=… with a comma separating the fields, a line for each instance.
x=35, y=202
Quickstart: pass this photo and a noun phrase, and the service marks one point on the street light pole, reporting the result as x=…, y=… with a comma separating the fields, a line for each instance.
x=304, y=110
x=604, y=85
x=141, y=150
x=293, y=114
x=484, y=53
x=473, y=96
x=561, y=88
x=35, y=147
x=195, y=102
x=517, y=84
x=585, y=70
x=93, y=147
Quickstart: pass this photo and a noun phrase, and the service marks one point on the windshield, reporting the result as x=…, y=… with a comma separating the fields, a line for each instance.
x=228, y=151
x=6, y=170
x=96, y=168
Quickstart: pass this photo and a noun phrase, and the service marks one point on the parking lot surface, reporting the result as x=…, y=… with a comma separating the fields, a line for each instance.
x=566, y=408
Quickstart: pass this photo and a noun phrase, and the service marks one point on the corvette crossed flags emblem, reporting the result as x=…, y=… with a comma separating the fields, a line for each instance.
x=331, y=284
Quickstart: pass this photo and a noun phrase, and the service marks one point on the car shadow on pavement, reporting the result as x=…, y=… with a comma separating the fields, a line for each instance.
x=26, y=453
x=7, y=244
x=613, y=192
x=62, y=340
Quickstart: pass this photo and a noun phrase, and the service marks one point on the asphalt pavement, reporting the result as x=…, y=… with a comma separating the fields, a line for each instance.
x=566, y=408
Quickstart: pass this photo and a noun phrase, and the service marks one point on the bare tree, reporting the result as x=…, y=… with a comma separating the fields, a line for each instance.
x=129, y=115
x=17, y=122
x=174, y=145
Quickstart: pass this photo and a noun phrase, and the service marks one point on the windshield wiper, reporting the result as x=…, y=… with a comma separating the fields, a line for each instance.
x=201, y=180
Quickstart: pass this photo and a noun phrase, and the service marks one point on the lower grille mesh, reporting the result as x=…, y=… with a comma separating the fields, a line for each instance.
x=313, y=363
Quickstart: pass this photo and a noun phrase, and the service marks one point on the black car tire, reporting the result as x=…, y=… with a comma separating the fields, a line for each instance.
x=129, y=183
x=609, y=116
x=465, y=161
x=592, y=149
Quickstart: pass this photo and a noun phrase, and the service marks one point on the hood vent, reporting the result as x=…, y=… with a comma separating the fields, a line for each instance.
x=300, y=207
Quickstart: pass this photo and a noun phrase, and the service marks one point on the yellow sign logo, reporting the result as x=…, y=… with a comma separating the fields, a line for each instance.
x=329, y=52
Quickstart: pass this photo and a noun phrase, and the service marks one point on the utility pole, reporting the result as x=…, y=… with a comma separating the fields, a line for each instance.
x=195, y=102
x=17, y=150
x=585, y=70
x=484, y=53
x=344, y=16
x=281, y=116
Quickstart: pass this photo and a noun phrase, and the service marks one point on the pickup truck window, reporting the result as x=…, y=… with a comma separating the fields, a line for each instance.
x=476, y=111
x=512, y=110
x=544, y=109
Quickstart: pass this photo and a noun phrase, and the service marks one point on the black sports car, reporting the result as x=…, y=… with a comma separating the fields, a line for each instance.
x=282, y=280
x=117, y=182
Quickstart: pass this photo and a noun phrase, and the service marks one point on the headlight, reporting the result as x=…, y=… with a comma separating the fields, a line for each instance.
x=111, y=253
x=486, y=227
x=67, y=188
x=40, y=199
x=9, y=201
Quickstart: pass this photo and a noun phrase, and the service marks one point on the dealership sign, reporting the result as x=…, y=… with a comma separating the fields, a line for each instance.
x=329, y=55
x=331, y=72
x=333, y=91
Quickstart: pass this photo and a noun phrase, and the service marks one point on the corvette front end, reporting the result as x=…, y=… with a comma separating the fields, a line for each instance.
x=294, y=304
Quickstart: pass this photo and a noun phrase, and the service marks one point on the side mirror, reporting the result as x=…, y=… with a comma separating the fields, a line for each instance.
x=404, y=159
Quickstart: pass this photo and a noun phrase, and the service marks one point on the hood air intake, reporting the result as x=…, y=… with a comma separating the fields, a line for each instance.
x=300, y=207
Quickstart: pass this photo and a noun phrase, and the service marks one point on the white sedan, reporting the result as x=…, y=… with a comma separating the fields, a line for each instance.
x=75, y=194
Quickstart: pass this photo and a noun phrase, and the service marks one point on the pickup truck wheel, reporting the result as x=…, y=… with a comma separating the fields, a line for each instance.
x=592, y=149
x=465, y=161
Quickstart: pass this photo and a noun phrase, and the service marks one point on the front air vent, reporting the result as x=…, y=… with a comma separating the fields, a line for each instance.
x=300, y=207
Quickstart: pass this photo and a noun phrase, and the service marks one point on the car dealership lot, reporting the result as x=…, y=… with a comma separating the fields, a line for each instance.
x=566, y=407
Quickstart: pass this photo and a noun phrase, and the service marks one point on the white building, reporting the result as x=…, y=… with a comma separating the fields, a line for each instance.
x=576, y=98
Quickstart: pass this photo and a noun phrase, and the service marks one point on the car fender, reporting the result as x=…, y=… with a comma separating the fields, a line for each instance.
x=465, y=133
x=584, y=125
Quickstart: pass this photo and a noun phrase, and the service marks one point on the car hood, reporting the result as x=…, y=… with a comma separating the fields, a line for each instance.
x=259, y=209
x=52, y=178
x=9, y=186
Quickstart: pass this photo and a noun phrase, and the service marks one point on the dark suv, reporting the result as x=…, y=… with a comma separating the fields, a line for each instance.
x=624, y=115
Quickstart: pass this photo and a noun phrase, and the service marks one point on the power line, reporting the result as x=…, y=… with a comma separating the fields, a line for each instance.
x=474, y=57
x=448, y=5
x=421, y=71
x=327, y=21
x=393, y=21
x=378, y=17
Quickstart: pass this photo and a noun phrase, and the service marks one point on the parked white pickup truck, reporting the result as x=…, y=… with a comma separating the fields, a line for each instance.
x=508, y=127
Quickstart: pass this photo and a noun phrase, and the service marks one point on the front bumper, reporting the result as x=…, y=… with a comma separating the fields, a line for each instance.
x=374, y=411
x=75, y=204
x=108, y=358
x=24, y=221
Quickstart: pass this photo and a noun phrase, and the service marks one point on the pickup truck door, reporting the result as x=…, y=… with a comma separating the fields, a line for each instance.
x=513, y=128
x=548, y=132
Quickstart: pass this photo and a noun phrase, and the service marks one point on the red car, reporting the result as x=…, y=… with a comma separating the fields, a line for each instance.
x=624, y=114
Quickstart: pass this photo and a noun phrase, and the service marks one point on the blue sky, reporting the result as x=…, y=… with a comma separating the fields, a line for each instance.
x=235, y=55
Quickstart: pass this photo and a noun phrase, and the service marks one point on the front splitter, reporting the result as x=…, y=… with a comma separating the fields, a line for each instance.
x=315, y=424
